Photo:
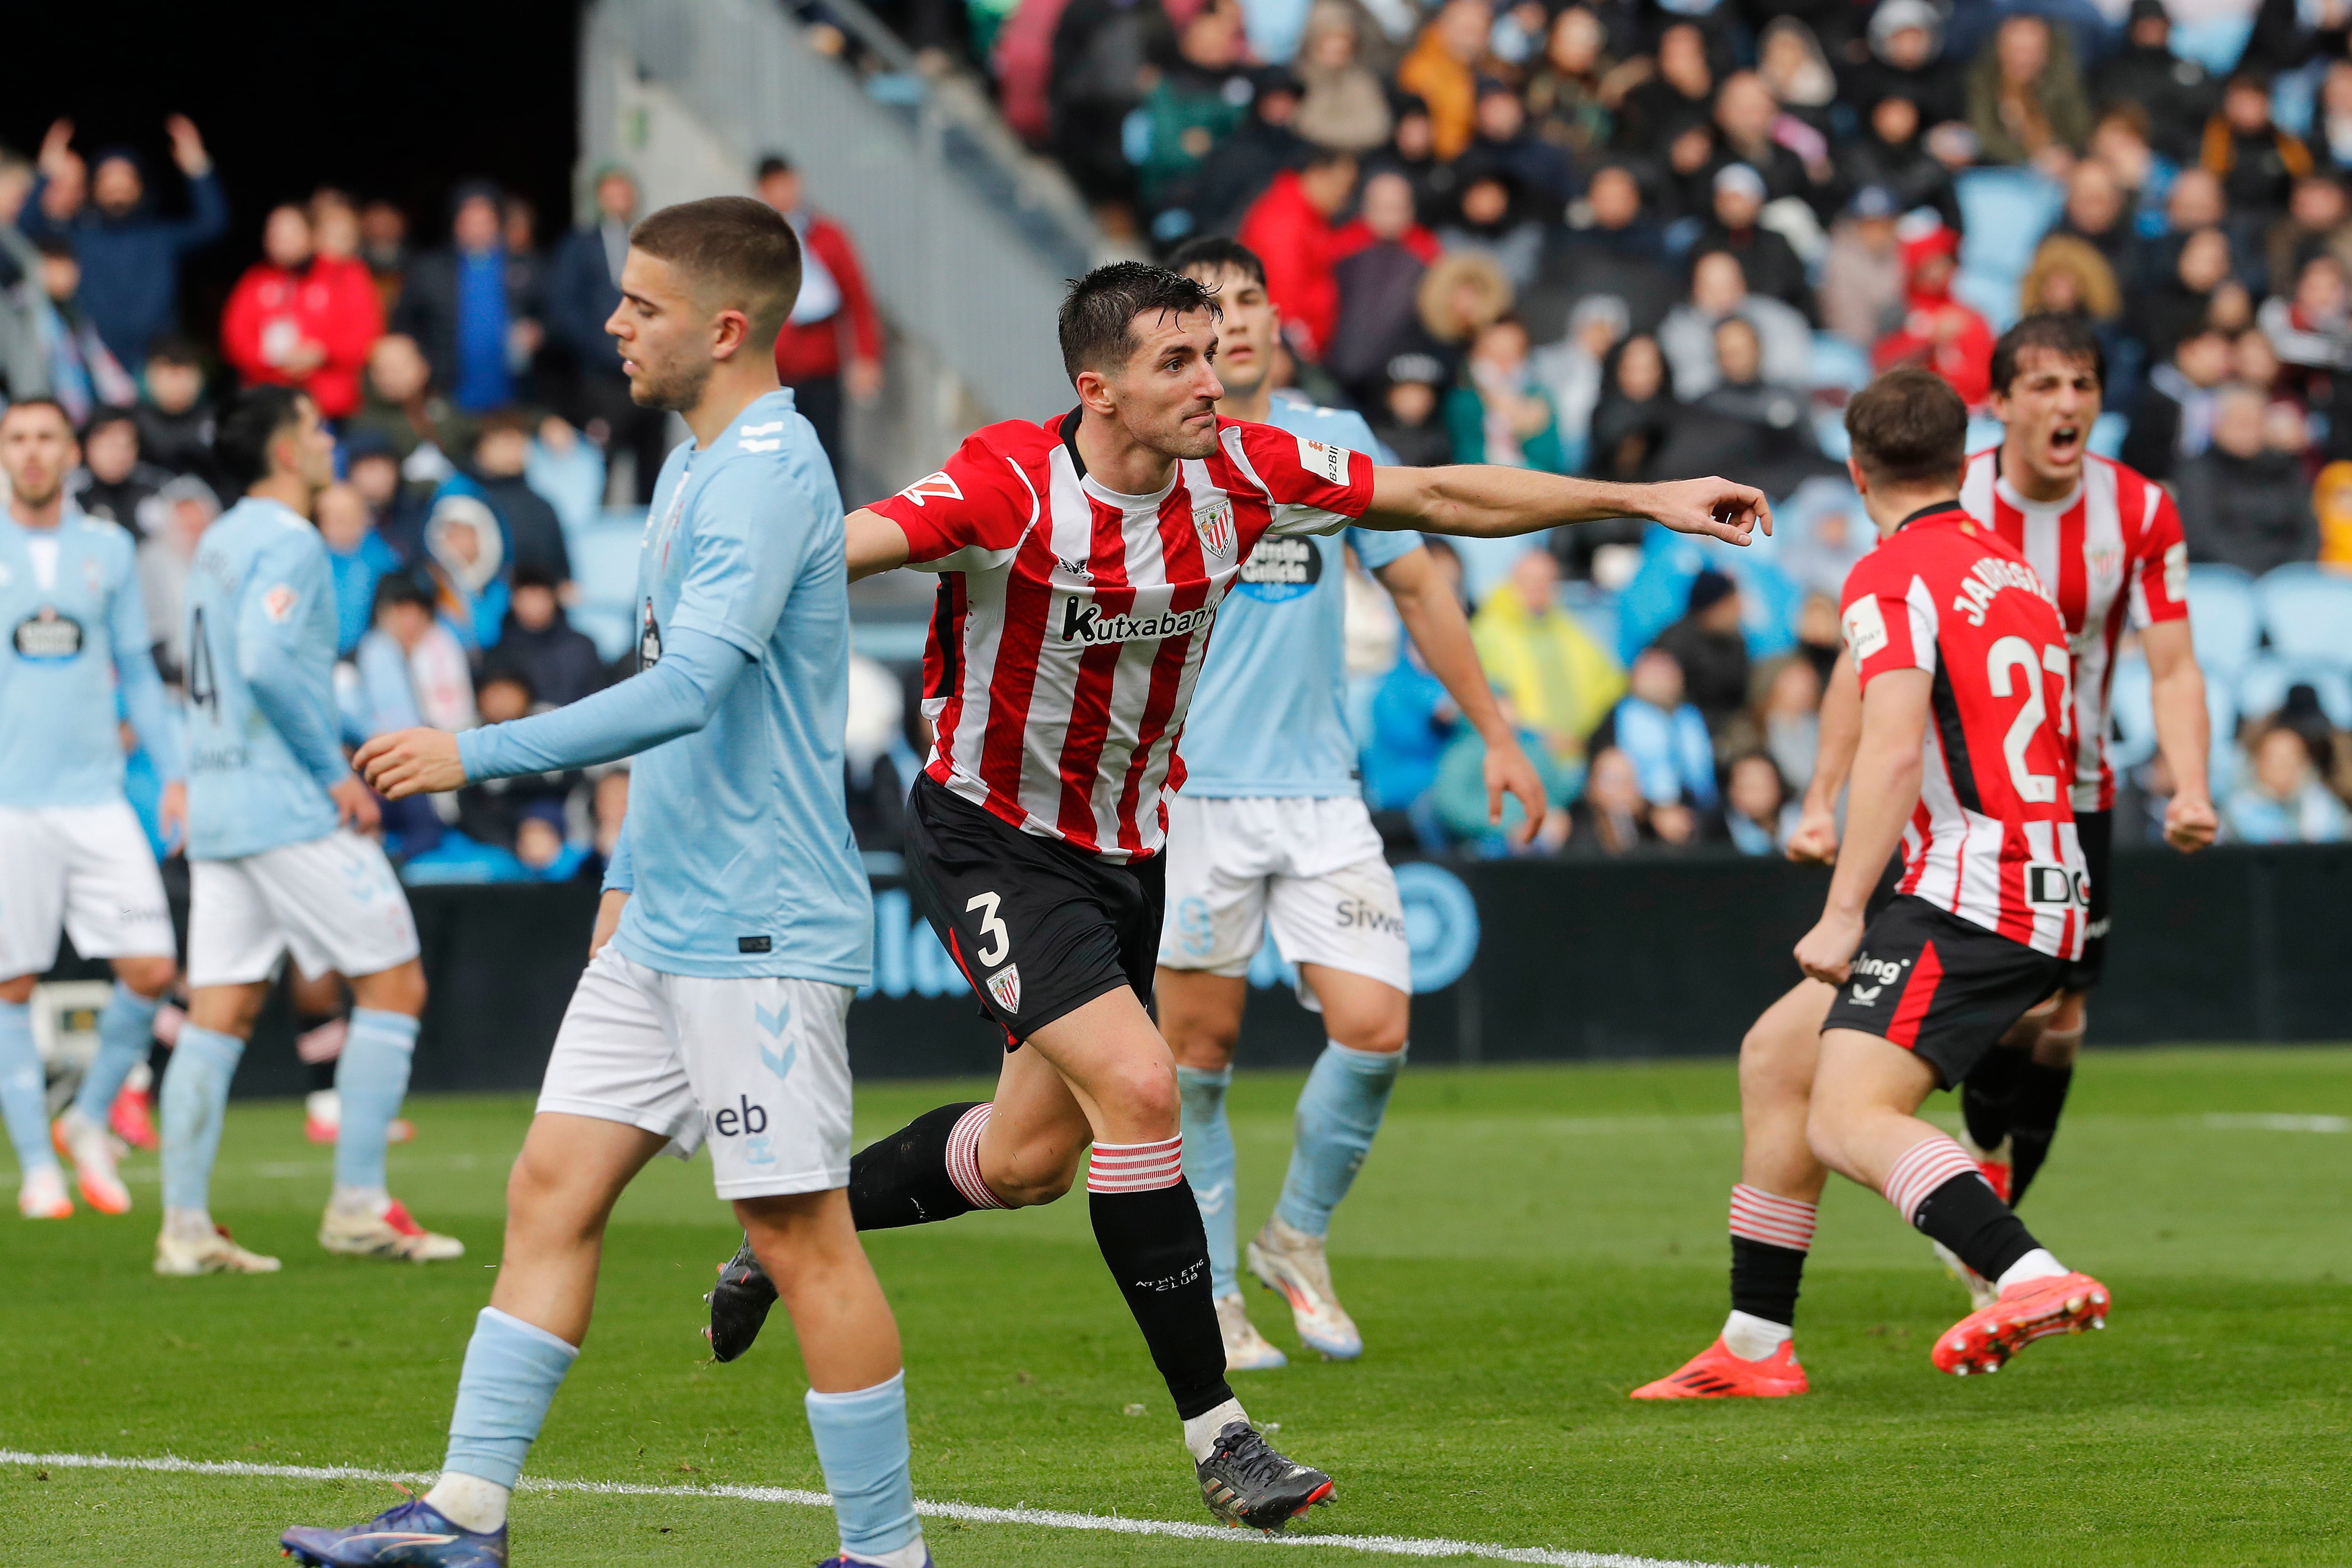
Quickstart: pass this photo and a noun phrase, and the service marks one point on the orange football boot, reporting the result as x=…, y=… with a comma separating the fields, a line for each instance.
x=1716, y=1374
x=131, y=1119
x=2028, y=1311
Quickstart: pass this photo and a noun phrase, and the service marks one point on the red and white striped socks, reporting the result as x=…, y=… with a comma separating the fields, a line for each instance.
x=1136, y=1167
x=1772, y=1219
x=1770, y=1237
x=963, y=1158
x=1925, y=1166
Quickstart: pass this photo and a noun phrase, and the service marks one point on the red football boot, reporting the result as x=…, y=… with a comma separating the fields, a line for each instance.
x=2028, y=1311
x=1716, y=1374
x=133, y=1120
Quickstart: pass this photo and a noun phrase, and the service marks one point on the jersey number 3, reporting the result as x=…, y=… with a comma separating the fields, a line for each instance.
x=2014, y=653
x=999, y=940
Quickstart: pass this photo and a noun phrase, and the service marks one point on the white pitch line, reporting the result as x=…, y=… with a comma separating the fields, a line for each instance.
x=968, y=1513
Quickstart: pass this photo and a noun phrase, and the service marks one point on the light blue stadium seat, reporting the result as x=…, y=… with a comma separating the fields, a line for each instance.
x=2107, y=433
x=606, y=625
x=1838, y=362
x=2224, y=761
x=1984, y=430
x=2224, y=618
x=2132, y=709
x=2307, y=610
x=1829, y=431
x=605, y=562
x=1989, y=295
x=2261, y=688
x=2005, y=213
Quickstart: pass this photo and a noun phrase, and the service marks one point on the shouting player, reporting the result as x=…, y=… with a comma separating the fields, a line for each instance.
x=736, y=921
x=277, y=857
x=72, y=854
x=1272, y=825
x=1964, y=744
x=1081, y=563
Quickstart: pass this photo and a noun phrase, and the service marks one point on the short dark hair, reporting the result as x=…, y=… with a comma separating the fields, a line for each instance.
x=738, y=245
x=259, y=415
x=1098, y=320
x=532, y=574
x=2063, y=333
x=773, y=163
x=50, y=404
x=1908, y=427
x=512, y=674
x=1214, y=253
x=500, y=422
x=174, y=349
x=105, y=414
x=399, y=588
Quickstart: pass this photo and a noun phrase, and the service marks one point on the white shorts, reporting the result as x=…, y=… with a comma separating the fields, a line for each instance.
x=333, y=902
x=1311, y=868
x=87, y=869
x=757, y=1065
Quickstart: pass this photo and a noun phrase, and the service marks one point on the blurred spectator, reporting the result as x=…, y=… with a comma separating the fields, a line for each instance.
x=130, y=255
x=2242, y=504
x=1545, y=174
x=1820, y=637
x=24, y=368
x=2175, y=92
x=2096, y=215
x=534, y=533
x=2283, y=800
x=2182, y=302
x=1666, y=739
x=1635, y=413
x=175, y=422
x=1891, y=153
x=1571, y=94
x=1291, y=227
x=1495, y=217
x=2026, y=102
x=560, y=662
x=1748, y=119
x=1101, y=51
x=584, y=289
x=465, y=561
x=1443, y=72
x=2331, y=499
x=1862, y=276
x=2331, y=126
x=1686, y=184
x=833, y=344
x=1343, y=107
x=1821, y=531
x=2317, y=223
x=384, y=246
x=2256, y=162
x=1611, y=248
x=1497, y=414
x=1789, y=719
x=2312, y=329
x=1757, y=811
x=359, y=558
x=1679, y=91
x=1195, y=103
x=1907, y=45
x=187, y=507
x=523, y=814
x=569, y=472
x=1612, y=817
x=1457, y=798
x=1743, y=423
x=399, y=406
x=1719, y=289
x=113, y=483
x=1570, y=371
x=1559, y=681
x=1407, y=420
x=1767, y=260
x=83, y=372
x=1238, y=171
x=1382, y=254
x=2173, y=419
x=474, y=308
x=1412, y=718
x=395, y=507
x=1710, y=650
x=298, y=318
x=2070, y=276
x=1937, y=331
x=1797, y=73
x=412, y=668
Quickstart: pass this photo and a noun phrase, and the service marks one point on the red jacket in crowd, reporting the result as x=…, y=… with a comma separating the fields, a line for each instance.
x=1296, y=243
x=1937, y=331
x=811, y=350
x=329, y=303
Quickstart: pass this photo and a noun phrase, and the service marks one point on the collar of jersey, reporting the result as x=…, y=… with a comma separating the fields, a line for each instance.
x=2009, y=492
x=1934, y=512
x=1069, y=431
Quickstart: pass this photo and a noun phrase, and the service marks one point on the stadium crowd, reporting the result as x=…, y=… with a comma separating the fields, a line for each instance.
x=1628, y=239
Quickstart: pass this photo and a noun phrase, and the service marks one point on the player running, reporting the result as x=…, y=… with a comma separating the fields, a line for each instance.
x=277, y=860
x=1272, y=825
x=1082, y=561
x=736, y=921
x=72, y=853
x=1965, y=732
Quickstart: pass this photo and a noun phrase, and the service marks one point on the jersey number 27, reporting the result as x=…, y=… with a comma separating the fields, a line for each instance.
x=2013, y=654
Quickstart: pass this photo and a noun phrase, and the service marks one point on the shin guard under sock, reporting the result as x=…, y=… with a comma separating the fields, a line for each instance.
x=1149, y=1231
x=1937, y=1188
x=1988, y=1096
x=911, y=1177
x=2041, y=1096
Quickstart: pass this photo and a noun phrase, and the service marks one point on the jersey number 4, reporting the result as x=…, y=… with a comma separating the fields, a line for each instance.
x=999, y=940
x=2013, y=654
x=203, y=689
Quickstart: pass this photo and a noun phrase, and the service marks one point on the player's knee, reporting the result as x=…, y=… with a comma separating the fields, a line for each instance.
x=1147, y=1096
x=1382, y=1030
x=150, y=976
x=397, y=990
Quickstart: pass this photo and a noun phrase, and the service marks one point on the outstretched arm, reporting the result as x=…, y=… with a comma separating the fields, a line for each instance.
x=876, y=543
x=1483, y=502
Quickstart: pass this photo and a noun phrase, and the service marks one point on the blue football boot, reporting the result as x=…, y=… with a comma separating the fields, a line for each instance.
x=413, y=1535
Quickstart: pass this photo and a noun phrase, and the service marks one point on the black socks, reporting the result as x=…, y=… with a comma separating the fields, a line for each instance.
x=903, y=1179
x=1964, y=1215
x=2033, y=1122
x=1764, y=1279
x=1159, y=1254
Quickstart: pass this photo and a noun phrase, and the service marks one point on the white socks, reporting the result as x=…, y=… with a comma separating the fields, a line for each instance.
x=1201, y=1431
x=188, y=1225
x=470, y=1502
x=1751, y=1338
x=2035, y=1265
x=914, y=1554
x=369, y=1200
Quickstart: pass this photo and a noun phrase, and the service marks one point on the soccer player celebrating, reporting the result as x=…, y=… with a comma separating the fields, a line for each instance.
x=1272, y=825
x=736, y=921
x=72, y=854
x=1082, y=561
x=1966, y=737
x=277, y=858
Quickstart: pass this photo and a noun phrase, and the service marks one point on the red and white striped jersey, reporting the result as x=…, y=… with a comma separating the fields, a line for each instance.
x=2110, y=552
x=1993, y=839
x=1071, y=619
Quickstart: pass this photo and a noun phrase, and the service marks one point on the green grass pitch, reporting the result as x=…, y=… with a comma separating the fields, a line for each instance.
x=1523, y=1247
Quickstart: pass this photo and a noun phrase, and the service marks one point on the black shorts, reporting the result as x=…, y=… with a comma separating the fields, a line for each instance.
x=1941, y=987
x=1038, y=928
x=2097, y=832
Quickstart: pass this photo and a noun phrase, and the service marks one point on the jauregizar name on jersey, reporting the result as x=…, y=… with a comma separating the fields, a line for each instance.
x=1083, y=621
x=1988, y=577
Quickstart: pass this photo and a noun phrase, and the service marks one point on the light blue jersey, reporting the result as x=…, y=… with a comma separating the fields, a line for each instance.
x=75, y=625
x=263, y=736
x=737, y=846
x=1269, y=715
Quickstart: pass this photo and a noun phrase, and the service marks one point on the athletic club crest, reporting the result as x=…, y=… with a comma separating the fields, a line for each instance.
x=1006, y=986
x=1214, y=524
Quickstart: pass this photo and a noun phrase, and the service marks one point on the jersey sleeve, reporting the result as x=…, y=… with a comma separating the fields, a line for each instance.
x=970, y=516
x=1889, y=620
x=1377, y=547
x=751, y=529
x=2159, y=573
x=1313, y=486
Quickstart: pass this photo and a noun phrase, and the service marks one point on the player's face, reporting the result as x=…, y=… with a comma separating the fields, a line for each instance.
x=37, y=449
x=313, y=447
x=1245, y=335
x=1167, y=394
x=2049, y=408
x=662, y=333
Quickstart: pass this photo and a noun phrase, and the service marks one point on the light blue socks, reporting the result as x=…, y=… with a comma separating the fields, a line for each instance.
x=512, y=1371
x=861, y=1445
x=1209, y=1170
x=1338, y=1113
x=126, y=1031
x=194, y=1098
x=372, y=1079
x=24, y=1090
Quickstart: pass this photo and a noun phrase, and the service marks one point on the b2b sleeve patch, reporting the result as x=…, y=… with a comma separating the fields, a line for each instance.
x=278, y=603
x=1865, y=628
x=1324, y=460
